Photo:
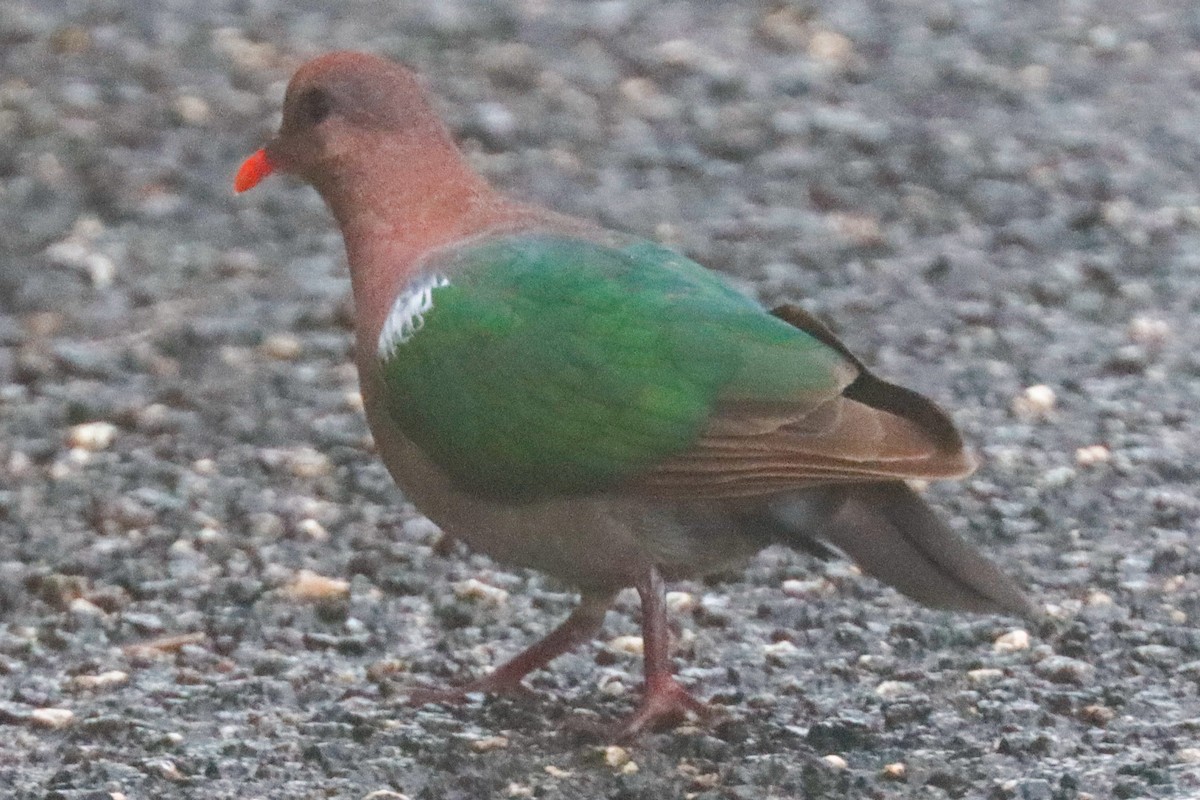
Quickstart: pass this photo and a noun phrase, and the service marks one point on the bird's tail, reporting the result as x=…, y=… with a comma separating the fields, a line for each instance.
x=893, y=535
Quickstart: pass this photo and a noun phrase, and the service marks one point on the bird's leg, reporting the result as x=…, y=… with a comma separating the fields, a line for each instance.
x=665, y=703
x=576, y=629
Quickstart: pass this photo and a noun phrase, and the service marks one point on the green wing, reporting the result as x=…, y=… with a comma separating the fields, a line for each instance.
x=547, y=365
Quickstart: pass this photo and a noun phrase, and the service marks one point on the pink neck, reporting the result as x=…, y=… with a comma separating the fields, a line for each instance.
x=396, y=209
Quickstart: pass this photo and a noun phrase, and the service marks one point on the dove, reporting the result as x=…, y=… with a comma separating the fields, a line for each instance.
x=595, y=405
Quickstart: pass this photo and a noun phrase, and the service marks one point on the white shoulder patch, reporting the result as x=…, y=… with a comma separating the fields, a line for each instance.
x=408, y=313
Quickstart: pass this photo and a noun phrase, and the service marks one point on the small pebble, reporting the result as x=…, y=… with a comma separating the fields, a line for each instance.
x=780, y=651
x=1149, y=332
x=630, y=645
x=894, y=688
x=103, y=680
x=282, y=346
x=835, y=761
x=166, y=768
x=85, y=608
x=204, y=466
x=785, y=28
x=473, y=589
x=985, y=675
x=165, y=645
x=896, y=771
x=681, y=602
x=1188, y=755
x=313, y=530
x=1096, y=715
x=490, y=743
x=1092, y=455
x=1061, y=669
x=1058, y=476
x=305, y=462
x=92, y=436
x=384, y=794
x=1012, y=641
x=807, y=588
x=555, y=772
x=613, y=686
x=191, y=110
x=308, y=585
x=616, y=757
x=1036, y=402
x=54, y=718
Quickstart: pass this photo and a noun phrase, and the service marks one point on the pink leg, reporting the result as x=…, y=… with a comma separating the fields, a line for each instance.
x=576, y=629
x=665, y=703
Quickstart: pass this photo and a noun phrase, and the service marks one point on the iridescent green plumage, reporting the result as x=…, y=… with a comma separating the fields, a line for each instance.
x=550, y=365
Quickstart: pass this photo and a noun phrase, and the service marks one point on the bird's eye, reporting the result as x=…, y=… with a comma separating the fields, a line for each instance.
x=315, y=106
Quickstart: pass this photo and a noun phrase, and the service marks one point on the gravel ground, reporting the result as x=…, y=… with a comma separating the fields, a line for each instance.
x=210, y=588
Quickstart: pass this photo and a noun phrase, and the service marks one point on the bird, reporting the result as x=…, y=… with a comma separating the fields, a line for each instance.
x=595, y=405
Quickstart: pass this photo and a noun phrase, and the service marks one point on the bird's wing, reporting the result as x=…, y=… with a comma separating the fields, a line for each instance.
x=533, y=365
x=873, y=430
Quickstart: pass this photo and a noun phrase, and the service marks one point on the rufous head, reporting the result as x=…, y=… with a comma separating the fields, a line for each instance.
x=339, y=105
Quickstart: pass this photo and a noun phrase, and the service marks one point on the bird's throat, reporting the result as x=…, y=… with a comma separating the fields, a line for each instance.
x=392, y=215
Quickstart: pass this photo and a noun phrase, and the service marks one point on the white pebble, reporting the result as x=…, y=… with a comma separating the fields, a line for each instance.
x=781, y=650
x=985, y=675
x=305, y=462
x=282, y=346
x=191, y=110
x=472, y=589
x=1148, y=331
x=102, y=680
x=489, y=743
x=313, y=530
x=308, y=585
x=612, y=686
x=809, y=588
x=1036, y=402
x=1011, y=642
x=835, y=761
x=630, y=645
x=92, y=436
x=681, y=602
x=1092, y=455
x=616, y=756
x=52, y=717
x=894, y=688
x=85, y=608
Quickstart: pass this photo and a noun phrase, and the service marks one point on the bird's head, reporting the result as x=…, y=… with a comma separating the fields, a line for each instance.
x=339, y=109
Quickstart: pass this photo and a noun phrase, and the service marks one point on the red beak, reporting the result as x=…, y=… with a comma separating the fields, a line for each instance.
x=253, y=170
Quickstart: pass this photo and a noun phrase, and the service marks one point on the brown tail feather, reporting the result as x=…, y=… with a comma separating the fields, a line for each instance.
x=893, y=535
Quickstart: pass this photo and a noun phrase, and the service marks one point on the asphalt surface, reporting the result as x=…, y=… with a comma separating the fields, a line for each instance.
x=212, y=589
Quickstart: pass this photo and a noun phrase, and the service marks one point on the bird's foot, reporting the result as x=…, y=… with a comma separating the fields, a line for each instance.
x=665, y=704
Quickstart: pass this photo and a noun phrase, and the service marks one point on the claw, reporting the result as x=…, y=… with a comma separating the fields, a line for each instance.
x=664, y=705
